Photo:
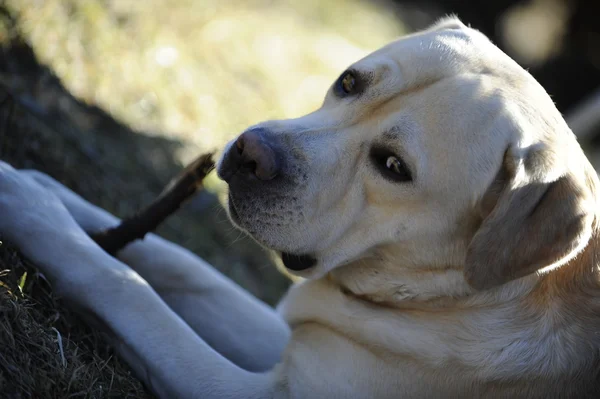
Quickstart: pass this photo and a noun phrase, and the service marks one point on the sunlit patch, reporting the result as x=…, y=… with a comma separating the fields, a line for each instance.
x=202, y=71
x=166, y=56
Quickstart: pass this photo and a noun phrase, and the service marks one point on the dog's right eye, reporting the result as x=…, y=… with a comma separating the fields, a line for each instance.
x=347, y=84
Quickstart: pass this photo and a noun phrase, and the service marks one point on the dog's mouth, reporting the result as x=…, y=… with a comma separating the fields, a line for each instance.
x=232, y=211
x=298, y=262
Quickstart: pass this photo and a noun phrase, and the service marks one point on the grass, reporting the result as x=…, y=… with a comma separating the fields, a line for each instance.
x=37, y=360
x=112, y=98
x=202, y=71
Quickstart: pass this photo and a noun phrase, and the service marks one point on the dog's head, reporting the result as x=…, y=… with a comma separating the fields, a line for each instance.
x=436, y=151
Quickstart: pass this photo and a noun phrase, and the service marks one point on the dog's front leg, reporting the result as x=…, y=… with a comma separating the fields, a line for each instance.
x=233, y=322
x=162, y=349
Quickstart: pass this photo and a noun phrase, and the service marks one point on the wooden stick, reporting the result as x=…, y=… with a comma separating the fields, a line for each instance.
x=181, y=188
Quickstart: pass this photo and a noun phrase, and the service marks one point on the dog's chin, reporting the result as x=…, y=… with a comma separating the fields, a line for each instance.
x=292, y=261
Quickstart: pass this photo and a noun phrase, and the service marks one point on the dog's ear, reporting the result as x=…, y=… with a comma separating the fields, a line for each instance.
x=534, y=215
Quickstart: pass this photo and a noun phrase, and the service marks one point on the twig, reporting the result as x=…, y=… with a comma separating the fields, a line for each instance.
x=182, y=187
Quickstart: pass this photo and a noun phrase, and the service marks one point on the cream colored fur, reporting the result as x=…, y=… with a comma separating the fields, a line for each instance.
x=478, y=278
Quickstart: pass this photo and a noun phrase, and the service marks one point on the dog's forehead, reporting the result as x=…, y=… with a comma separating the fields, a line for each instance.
x=432, y=55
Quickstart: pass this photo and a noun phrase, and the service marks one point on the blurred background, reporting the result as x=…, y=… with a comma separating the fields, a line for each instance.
x=114, y=97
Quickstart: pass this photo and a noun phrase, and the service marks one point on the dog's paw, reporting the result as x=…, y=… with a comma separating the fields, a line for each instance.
x=90, y=217
x=28, y=211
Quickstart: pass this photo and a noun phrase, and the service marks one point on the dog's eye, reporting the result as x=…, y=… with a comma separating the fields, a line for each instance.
x=398, y=168
x=348, y=83
x=394, y=164
x=390, y=165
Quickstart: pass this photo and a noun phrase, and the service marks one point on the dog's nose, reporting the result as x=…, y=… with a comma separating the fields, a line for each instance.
x=252, y=154
x=257, y=156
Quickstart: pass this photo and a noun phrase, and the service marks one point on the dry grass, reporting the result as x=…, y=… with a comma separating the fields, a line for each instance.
x=47, y=352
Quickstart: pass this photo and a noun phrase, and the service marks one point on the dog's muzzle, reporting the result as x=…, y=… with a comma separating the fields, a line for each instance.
x=253, y=166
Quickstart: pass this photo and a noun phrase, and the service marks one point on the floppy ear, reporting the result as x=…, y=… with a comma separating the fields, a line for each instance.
x=532, y=220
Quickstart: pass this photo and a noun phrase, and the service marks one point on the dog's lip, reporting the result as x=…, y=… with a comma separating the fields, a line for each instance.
x=232, y=211
x=298, y=262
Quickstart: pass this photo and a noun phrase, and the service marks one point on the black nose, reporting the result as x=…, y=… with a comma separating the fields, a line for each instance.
x=251, y=154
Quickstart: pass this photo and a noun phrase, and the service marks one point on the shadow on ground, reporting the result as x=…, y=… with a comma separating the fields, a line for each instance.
x=43, y=126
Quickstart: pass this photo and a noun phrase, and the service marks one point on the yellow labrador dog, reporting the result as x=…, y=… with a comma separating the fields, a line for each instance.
x=439, y=207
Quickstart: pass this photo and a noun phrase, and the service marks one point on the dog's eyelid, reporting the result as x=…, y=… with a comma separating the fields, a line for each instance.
x=388, y=143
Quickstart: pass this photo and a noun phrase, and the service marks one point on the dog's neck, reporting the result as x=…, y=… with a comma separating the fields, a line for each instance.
x=381, y=282
x=400, y=273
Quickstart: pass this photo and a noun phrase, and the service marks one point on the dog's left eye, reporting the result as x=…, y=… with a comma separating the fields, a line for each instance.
x=394, y=164
x=398, y=168
x=390, y=166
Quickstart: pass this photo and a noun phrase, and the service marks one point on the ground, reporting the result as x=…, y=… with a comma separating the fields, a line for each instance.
x=121, y=171
x=112, y=98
